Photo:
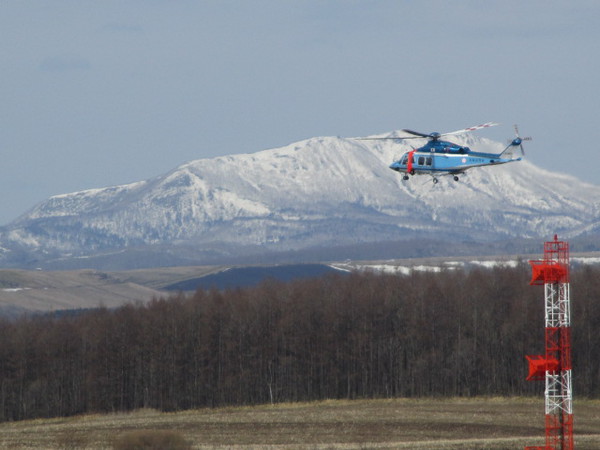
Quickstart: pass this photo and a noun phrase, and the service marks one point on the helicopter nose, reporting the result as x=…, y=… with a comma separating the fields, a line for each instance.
x=395, y=166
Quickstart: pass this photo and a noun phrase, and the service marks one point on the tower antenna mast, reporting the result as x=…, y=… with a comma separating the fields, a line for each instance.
x=555, y=366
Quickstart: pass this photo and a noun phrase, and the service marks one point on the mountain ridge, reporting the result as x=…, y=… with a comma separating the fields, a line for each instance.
x=319, y=192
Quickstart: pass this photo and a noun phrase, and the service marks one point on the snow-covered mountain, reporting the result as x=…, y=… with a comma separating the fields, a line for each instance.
x=321, y=192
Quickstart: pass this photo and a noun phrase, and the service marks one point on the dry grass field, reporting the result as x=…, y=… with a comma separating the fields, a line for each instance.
x=40, y=290
x=478, y=423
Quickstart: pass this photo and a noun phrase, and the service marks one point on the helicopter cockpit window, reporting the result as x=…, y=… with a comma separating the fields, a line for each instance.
x=404, y=160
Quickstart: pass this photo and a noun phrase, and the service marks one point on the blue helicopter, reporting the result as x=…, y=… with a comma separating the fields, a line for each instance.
x=438, y=157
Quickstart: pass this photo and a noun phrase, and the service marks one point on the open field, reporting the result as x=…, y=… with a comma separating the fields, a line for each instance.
x=41, y=291
x=475, y=423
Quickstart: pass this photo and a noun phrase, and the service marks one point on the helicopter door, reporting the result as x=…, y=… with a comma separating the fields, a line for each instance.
x=426, y=161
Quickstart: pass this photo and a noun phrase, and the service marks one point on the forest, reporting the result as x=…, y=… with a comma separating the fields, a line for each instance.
x=362, y=335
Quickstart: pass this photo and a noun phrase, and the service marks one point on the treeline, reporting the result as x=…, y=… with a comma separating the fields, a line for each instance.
x=363, y=335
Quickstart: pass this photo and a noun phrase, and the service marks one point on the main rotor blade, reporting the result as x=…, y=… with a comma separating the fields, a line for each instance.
x=398, y=138
x=381, y=139
x=476, y=127
x=416, y=133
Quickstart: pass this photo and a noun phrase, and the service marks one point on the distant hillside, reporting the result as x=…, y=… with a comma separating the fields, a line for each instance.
x=25, y=291
x=251, y=276
x=40, y=291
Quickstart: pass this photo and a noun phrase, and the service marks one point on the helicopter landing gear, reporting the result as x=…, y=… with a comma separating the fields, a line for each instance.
x=405, y=177
x=455, y=178
x=435, y=180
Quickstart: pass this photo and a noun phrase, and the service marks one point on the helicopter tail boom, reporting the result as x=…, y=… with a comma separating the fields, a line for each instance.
x=508, y=152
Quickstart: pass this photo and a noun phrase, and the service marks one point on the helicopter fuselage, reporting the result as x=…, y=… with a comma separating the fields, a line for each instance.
x=446, y=158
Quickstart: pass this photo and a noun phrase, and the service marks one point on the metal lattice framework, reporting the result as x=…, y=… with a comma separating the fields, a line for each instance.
x=555, y=366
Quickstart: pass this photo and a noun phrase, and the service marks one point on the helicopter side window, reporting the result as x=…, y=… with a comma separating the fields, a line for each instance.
x=428, y=161
x=421, y=160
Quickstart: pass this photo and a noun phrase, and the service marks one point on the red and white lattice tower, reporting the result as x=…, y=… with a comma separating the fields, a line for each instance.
x=555, y=366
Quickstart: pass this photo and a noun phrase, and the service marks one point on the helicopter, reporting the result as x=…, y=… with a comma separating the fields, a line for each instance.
x=439, y=157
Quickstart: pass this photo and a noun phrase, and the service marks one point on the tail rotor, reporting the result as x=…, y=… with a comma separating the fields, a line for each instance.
x=518, y=140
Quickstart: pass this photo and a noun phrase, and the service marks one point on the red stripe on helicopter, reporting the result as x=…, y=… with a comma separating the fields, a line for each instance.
x=409, y=165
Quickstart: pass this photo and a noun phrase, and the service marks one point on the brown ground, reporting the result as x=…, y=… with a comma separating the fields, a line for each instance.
x=40, y=291
x=480, y=423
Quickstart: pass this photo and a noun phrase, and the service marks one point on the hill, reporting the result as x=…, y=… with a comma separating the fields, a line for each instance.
x=318, y=196
x=251, y=276
x=40, y=291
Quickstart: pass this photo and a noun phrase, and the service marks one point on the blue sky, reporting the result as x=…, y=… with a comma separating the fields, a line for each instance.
x=99, y=93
